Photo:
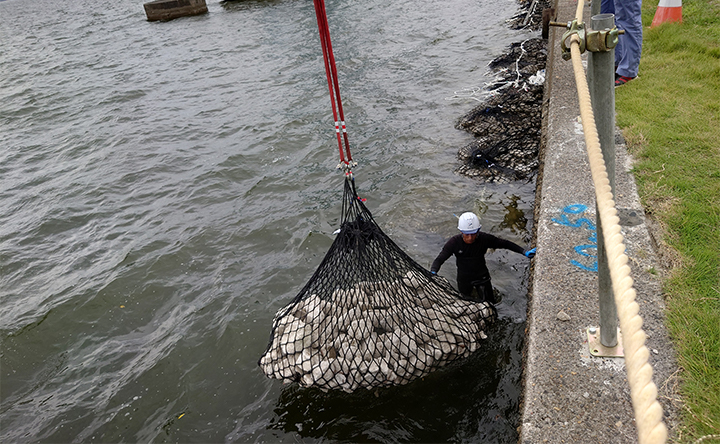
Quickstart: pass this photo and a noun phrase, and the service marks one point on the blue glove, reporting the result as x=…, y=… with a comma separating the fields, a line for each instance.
x=530, y=253
x=433, y=272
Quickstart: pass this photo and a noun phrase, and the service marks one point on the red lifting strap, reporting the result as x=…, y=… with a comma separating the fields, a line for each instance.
x=333, y=85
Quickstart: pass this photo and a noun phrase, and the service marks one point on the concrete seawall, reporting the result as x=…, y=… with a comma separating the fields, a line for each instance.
x=569, y=395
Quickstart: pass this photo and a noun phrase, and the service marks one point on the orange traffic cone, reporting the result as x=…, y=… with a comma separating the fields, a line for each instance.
x=668, y=11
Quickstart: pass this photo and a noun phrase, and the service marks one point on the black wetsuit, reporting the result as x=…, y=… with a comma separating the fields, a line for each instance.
x=471, y=268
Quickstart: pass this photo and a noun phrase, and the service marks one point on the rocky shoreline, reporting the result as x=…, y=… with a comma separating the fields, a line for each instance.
x=507, y=125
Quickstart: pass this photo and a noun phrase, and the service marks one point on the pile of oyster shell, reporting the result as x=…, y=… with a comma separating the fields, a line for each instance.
x=373, y=334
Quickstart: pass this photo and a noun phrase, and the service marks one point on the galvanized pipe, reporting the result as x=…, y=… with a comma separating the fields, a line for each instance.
x=601, y=82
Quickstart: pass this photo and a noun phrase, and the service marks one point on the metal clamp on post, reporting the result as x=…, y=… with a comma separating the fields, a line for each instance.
x=594, y=41
x=601, y=41
x=574, y=28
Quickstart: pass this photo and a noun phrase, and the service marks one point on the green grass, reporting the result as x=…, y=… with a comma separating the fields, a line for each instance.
x=671, y=118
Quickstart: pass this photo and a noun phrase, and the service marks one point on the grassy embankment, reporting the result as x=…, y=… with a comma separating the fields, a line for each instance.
x=670, y=116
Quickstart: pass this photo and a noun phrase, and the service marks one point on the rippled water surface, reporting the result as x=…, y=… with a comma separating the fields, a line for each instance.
x=166, y=187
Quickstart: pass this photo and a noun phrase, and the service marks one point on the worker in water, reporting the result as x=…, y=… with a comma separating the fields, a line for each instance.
x=469, y=248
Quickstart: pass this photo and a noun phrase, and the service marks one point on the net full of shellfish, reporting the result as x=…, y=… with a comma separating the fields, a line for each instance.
x=370, y=316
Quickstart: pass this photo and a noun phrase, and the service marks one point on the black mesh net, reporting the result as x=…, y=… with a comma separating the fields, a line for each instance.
x=370, y=316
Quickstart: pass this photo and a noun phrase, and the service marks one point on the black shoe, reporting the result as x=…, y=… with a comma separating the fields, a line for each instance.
x=621, y=80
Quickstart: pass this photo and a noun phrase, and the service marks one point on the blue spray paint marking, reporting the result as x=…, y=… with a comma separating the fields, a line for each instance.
x=570, y=218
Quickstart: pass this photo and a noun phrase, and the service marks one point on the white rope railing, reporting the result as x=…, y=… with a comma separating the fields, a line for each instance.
x=648, y=412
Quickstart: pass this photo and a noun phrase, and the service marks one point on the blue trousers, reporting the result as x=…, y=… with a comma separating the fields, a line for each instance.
x=628, y=50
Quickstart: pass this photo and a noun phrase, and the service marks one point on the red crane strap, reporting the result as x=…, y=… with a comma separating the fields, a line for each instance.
x=333, y=86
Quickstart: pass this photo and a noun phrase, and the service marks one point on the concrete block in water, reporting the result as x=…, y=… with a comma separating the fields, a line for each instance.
x=171, y=9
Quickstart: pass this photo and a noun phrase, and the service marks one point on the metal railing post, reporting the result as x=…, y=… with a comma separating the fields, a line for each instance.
x=601, y=82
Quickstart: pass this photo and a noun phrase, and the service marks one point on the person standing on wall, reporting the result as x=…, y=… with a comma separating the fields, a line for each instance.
x=469, y=248
x=627, y=52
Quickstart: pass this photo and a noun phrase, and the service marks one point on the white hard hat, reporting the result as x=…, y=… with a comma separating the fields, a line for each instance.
x=468, y=223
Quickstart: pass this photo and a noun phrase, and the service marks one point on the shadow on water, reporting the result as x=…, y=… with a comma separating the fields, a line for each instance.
x=475, y=399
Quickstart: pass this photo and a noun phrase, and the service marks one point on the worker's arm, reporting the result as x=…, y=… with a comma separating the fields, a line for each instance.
x=444, y=255
x=496, y=242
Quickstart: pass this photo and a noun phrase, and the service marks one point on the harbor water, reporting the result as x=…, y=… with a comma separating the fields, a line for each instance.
x=166, y=187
